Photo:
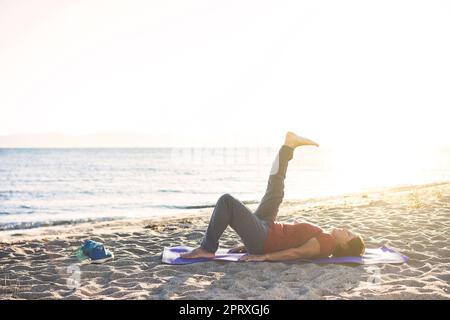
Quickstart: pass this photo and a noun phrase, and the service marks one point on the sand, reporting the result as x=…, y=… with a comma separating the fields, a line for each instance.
x=415, y=220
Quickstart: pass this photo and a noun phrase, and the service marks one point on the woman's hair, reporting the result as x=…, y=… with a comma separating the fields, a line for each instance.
x=355, y=247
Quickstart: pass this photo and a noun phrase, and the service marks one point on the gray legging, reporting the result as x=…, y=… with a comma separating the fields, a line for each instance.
x=251, y=227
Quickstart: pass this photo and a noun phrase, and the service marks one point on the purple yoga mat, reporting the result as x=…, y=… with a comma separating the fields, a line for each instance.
x=371, y=256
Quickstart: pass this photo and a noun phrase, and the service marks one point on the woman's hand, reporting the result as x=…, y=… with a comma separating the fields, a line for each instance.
x=253, y=257
x=238, y=249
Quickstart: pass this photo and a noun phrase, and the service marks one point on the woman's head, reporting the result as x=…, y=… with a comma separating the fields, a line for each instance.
x=347, y=243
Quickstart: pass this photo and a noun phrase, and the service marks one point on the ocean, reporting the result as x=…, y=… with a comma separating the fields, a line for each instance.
x=43, y=187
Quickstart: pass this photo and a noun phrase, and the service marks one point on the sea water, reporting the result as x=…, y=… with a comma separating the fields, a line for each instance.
x=41, y=187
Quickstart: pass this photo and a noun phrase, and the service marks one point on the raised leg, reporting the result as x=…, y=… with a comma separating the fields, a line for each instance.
x=270, y=203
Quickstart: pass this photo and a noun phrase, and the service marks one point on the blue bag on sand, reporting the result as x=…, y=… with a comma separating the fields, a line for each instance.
x=95, y=251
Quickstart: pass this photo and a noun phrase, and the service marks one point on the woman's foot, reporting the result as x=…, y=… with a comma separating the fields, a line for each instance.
x=293, y=141
x=197, y=253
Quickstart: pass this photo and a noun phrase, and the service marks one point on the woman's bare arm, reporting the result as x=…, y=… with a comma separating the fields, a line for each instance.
x=308, y=250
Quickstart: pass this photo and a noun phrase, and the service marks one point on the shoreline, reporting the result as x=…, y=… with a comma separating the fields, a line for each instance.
x=414, y=220
x=202, y=212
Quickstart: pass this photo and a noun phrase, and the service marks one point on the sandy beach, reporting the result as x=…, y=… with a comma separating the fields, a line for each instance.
x=415, y=220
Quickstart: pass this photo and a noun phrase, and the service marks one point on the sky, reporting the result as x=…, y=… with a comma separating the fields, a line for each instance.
x=213, y=72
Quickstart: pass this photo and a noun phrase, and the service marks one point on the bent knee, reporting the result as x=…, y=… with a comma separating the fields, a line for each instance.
x=226, y=198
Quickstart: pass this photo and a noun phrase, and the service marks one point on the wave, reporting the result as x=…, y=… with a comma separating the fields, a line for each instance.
x=169, y=190
x=3, y=212
x=38, y=224
x=6, y=194
x=203, y=206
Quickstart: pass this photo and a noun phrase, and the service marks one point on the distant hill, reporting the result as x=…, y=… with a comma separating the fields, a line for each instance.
x=135, y=140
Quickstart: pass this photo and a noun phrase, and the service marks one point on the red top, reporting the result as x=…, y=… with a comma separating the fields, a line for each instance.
x=284, y=236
